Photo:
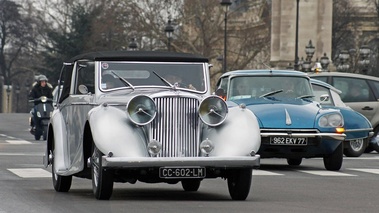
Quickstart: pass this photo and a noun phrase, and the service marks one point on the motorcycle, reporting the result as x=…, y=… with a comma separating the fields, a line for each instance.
x=41, y=113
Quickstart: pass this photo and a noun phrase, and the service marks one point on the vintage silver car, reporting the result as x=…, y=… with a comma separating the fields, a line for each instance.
x=147, y=116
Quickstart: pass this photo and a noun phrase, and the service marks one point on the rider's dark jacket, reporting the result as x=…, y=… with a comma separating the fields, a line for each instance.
x=39, y=91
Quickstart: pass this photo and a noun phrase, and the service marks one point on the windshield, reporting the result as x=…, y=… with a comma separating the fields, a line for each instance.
x=116, y=75
x=269, y=86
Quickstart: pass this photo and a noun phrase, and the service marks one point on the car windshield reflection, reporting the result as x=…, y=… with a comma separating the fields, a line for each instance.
x=263, y=87
x=182, y=76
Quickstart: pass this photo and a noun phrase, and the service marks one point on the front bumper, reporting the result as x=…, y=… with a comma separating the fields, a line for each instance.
x=332, y=136
x=214, y=162
x=319, y=144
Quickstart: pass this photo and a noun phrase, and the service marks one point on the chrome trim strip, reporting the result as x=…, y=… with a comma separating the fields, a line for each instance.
x=222, y=162
x=358, y=130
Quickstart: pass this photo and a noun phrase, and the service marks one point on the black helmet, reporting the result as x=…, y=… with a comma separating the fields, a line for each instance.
x=42, y=78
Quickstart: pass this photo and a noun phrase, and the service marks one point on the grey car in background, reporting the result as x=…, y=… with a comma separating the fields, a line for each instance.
x=361, y=93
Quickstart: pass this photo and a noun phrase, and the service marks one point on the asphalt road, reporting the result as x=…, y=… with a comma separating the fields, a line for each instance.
x=26, y=186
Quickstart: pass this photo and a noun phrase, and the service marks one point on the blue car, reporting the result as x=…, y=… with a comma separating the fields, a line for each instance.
x=292, y=124
x=358, y=128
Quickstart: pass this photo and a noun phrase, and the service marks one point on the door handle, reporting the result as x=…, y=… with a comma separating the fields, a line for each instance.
x=367, y=108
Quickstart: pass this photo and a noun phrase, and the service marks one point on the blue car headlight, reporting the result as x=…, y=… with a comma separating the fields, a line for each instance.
x=331, y=120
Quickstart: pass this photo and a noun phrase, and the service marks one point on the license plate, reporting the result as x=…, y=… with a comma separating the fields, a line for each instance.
x=182, y=172
x=288, y=141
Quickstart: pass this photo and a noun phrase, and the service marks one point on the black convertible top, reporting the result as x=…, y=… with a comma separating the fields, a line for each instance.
x=155, y=56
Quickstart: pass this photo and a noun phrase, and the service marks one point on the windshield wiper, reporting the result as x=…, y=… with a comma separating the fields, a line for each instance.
x=127, y=83
x=305, y=96
x=163, y=80
x=271, y=93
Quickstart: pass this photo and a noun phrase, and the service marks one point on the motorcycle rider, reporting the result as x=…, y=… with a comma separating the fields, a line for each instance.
x=40, y=88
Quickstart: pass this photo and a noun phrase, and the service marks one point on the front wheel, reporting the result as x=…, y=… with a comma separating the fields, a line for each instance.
x=102, y=179
x=355, y=148
x=333, y=161
x=44, y=135
x=239, y=182
x=60, y=183
x=37, y=133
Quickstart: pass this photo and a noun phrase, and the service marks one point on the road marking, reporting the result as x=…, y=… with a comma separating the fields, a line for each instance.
x=324, y=173
x=17, y=142
x=264, y=173
x=21, y=154
x=372, y=171
x=31, y=173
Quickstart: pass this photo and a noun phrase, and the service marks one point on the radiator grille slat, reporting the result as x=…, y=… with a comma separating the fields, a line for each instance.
x=176, y=126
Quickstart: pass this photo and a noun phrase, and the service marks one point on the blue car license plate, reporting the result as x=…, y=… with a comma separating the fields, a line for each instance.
x=288, y=141
x=182, y=172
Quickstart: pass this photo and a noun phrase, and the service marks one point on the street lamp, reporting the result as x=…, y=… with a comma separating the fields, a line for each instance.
x=296, y=65
x=309, y=51
x=343, y=65
x=133, y=44
x=324, y=60
x=364, y=61
x=225, y=4
x=169, y=29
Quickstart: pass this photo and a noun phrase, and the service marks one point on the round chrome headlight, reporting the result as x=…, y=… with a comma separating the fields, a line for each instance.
x=331, y=120
x=213, y=111
x=43, y=99
x=141, y=110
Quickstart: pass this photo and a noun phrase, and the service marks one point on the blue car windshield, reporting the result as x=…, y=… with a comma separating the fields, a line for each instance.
x=277, y=87
x=118, y=75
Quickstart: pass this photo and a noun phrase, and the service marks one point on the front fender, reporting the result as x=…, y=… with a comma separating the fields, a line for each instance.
x=239, y=135
x=59, y=143
x=112, y=131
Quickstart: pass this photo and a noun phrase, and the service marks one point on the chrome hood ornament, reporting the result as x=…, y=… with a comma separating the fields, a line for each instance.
x=288, y=118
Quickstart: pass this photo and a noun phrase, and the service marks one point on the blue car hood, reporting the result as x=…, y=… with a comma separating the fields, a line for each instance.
x=284, y=114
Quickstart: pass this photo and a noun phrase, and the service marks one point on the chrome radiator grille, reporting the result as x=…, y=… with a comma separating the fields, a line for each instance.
x=176, y=126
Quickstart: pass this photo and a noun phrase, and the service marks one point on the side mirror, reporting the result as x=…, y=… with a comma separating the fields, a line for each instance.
x=324, y=98
x=83, y=89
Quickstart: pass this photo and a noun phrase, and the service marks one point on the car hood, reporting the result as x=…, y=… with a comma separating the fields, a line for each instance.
x=286, y=114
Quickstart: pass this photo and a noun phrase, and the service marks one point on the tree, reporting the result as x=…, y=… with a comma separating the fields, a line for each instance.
x=16, y=38
x=65, y=35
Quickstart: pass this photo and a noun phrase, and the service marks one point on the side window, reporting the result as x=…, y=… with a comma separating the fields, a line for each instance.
x=318, y=91
x=65, y=81
x=375, y=86
x=223, y=84
x=353, y=90
x=85, y=76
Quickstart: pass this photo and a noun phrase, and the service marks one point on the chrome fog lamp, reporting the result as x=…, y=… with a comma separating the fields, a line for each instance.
x=154, y=147
x=141, y=110
x=213, y=111
x=206, y=146
x=331, y=120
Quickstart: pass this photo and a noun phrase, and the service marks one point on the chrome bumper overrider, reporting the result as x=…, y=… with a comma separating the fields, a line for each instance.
x=224, y=162
x=335, y=136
